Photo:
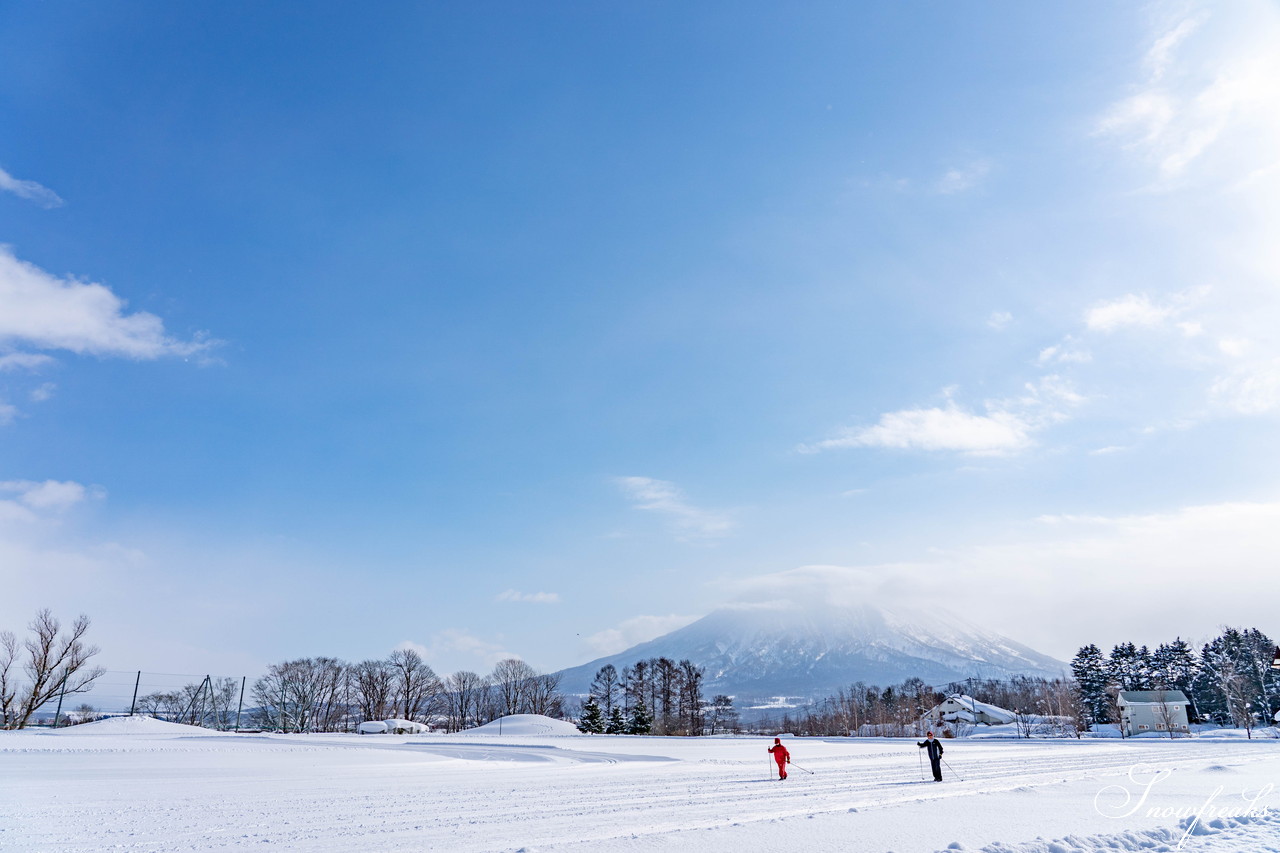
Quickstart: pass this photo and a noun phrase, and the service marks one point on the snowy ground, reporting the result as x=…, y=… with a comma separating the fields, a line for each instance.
x=141, y=785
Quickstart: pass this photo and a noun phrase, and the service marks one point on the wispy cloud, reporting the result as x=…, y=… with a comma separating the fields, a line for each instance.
x=29, y=500
x=999, y=320
x=452, y=644
x=1005, y=426
x=950, y=428
x=1129, y=310
x=638, y=629
x=1067, y=351
x=529, y=597
x=29, y=190
x=24, y=361
x=667, y=499
x=43, y=311
x=1216, y=100
x=1251, y=389
x=962, y=178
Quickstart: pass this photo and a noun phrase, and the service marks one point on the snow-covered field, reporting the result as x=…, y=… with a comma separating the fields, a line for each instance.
x=142, y=785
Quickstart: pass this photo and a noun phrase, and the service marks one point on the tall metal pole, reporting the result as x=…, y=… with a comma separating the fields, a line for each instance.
x=58, y=713
x=134, y=704
x=241, y=706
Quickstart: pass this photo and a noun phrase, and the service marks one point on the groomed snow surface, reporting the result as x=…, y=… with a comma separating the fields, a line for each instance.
x=133, y=784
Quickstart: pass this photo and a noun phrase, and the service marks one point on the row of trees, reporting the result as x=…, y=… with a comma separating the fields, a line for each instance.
x=1040, y=706
x=326, y=694
x=654, y=696
x=1230, y=681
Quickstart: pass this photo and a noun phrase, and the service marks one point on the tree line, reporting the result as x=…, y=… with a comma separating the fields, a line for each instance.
x=655, y=696
x=1229, y=682
x=326, y=694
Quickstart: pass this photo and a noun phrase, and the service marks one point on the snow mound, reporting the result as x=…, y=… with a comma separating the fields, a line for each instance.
x=525, y=724
x=136, y=725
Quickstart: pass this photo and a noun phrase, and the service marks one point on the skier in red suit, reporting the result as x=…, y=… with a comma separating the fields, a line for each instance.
x=781, y=756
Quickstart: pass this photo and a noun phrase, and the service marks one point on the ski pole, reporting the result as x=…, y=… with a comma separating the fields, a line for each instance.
x=953, y=770
x=798, y=767
x=920, y=763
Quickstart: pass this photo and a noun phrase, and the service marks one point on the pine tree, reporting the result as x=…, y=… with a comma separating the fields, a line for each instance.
x=1130, y=667
x=1090, y=671
x=641, y=723
x=592, y=720
x=616, y=725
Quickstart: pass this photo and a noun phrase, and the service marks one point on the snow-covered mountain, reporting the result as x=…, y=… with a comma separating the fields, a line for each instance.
x=759, y=651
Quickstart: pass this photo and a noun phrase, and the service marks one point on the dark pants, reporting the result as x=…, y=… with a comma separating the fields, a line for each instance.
x=936, y=764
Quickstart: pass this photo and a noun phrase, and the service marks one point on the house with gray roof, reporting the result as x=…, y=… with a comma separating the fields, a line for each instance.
x=1147, y=711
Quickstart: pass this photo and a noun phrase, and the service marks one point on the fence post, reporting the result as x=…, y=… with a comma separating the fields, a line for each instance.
x=58, y=713
x=241, y=706
x=134, y=704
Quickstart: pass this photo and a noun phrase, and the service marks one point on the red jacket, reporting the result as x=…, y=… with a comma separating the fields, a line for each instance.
x=780, y=753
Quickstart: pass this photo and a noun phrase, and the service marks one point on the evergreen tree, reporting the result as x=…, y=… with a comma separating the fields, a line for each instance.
x=1235, y=684
x=640, y=723
x=616, y=725
x=1174, y=666
x=1130, y=667
x=592, y=720
x=1090, y=671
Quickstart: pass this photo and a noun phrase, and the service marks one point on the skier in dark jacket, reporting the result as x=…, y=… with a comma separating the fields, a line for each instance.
x=935, y=755
x=781, y=756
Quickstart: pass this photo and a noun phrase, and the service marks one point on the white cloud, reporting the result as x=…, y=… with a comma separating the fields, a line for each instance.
x=1250, y=389
x=999, y=319
x=1105, y=451
x=1234, y=347
x=43, y=311
x=50, y=494
x=24, y=361
x=1006, y=426
x=1212, y=87
x=1145, y=577
x=529, y=597
x=963, y=178
x=1160, y=56
x=42, y=196
x=29, y=500
x=43, y=393
x=1068, y=351
x=937, y=429
x=7, y=413
x=666, y=498
x=1129, y=310
x=455, y=644
x=638, y=629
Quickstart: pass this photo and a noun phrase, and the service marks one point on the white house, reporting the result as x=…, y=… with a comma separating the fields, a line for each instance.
x=965, y=709
x=1143, y=711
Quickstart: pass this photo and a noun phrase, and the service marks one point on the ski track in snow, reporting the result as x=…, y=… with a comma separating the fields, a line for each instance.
x=152, y=792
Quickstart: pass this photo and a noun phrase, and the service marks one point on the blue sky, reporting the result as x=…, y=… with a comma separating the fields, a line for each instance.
x=500, y=329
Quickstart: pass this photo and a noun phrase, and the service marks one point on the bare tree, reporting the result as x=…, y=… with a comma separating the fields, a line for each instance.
x=417, y=689
x=544, y=697
x=374, y=684
x=302, y=695
x=56, y=663
x=465, y=697
x=512, y=679
x=605, y=688
x=8, y=679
